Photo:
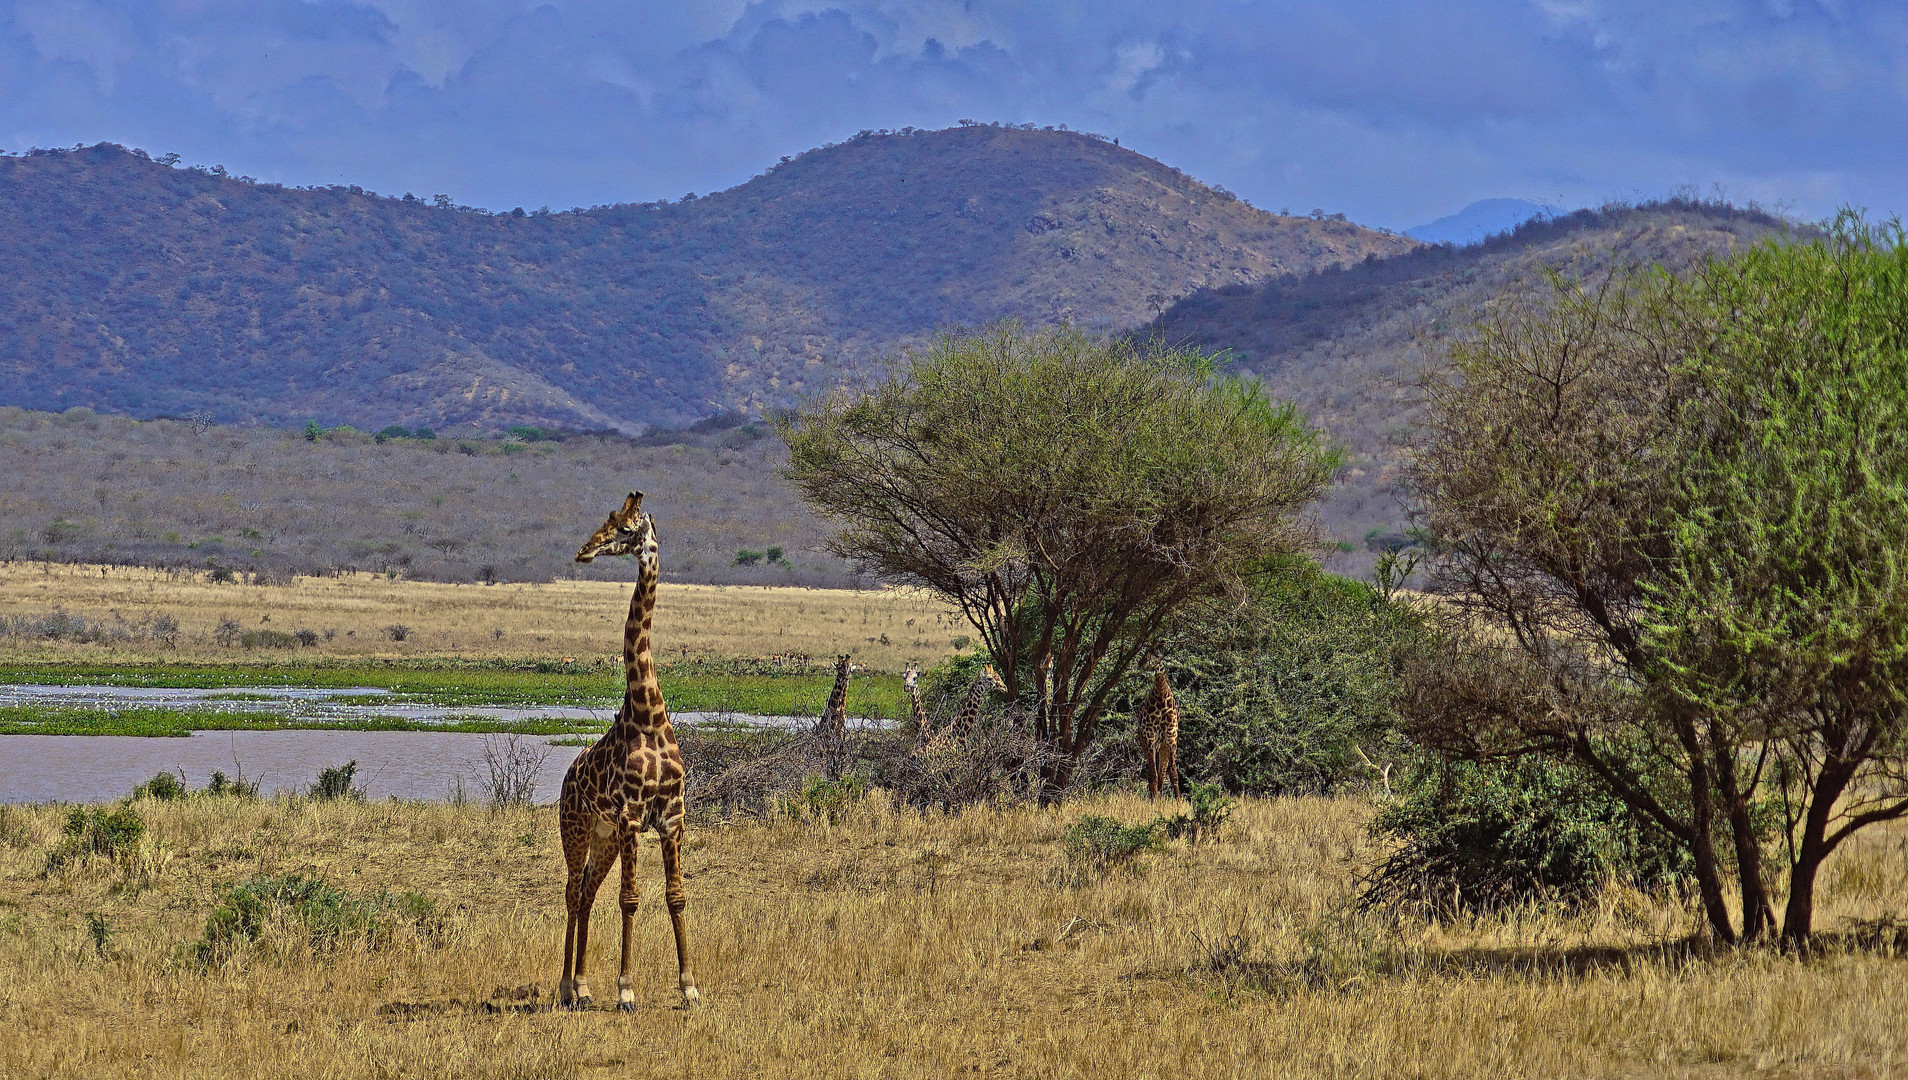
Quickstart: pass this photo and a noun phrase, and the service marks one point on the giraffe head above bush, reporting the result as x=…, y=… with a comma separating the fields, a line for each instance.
x=628, y=531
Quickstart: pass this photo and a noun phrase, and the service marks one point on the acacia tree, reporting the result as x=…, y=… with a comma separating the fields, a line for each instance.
x=1785, y=608
x=1539, y=472
x=1066, y=492
x=1672, y=509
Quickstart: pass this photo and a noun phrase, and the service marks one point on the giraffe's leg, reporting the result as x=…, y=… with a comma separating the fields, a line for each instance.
x=576, y=852
x=671, y=834
x=594, y=871
x=1170, y=752
x=631, y=895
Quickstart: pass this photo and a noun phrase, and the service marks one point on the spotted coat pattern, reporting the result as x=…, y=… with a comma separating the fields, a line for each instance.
x=984, y=685
x=1156, y=733
x=627, y=783
x=834, y=717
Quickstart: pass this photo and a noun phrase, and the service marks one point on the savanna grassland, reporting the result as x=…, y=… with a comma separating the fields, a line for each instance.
x=886, y=943
x=352, y=615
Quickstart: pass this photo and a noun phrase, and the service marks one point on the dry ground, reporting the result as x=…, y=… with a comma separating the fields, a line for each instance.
x=900, y=945
x=883, y=628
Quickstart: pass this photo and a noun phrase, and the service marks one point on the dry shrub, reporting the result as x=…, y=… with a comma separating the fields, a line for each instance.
x=513, y=765
x=752, y=771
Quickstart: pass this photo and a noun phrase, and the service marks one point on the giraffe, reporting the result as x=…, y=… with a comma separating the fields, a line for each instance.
x=911, y=678
x=630, y=780
x=834, y=717
x=985, y=683
x=831, y=731
x=1156, y=732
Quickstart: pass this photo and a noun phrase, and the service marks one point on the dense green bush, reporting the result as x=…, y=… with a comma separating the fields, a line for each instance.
x=335, y=783
x=324, y=915
x=1479, y=837
x=168, y=786
x=96, y=831
x=1291, y=692
x=1098, y=843
x=163, y=786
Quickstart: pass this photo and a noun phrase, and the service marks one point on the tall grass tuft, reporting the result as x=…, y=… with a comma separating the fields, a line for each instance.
x=318, y=916
x=95, y=832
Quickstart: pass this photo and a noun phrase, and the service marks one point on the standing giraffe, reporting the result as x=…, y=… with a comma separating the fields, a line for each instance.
x=985, y=683
x=911, y=678
x=628, y=781
x=1156, y=732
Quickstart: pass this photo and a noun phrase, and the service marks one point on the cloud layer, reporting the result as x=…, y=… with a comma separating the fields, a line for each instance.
x=1390, y=111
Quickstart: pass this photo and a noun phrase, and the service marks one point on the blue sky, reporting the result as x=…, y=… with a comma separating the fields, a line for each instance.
x=1393, y=112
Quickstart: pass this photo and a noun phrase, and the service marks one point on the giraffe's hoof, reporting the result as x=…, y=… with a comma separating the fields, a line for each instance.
x=626, y=1006
x=690, y=998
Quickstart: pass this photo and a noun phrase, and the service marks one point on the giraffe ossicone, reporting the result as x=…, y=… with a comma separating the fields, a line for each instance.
x=628, y=781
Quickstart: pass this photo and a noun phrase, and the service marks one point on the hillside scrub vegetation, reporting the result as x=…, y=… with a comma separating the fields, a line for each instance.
x=1344, y=343
x=180, y=495
x=1669, y=511
x=1068, y=493
x=153, y=289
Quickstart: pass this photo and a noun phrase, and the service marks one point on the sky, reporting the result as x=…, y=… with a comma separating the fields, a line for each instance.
x=1393, y=112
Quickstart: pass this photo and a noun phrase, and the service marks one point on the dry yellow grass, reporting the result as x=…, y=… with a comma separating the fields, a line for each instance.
x=883, y=628
x=898, y=945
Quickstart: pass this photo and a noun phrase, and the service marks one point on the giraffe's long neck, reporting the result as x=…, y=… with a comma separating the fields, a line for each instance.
x=1165, y=709
x=835, y=717
x=913, y=681
x=642, y=695
x=969, y=715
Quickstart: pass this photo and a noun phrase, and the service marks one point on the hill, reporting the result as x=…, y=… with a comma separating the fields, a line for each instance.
x=1486, y=217
x=1345, y=343
x=132, y=286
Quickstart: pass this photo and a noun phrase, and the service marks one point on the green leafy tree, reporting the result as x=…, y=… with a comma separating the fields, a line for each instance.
x=1068, y=493
x=1669, y=513
x=1785, y=606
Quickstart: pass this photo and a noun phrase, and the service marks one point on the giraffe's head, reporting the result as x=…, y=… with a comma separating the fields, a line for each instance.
x=990, y=678
x=911, y=677
x=628, y=531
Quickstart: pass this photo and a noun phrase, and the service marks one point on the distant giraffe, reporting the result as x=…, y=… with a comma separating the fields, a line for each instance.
x=831, y=731
x=984, y=684
x=630, y=780
x=1156, y=732
x=834, y=717
x=911, y=678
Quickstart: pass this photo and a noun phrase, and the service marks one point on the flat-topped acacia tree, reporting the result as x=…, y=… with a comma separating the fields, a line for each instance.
x=1067, y=492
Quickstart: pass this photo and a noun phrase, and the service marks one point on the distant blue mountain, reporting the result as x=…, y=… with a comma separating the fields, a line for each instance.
x=1479, y=220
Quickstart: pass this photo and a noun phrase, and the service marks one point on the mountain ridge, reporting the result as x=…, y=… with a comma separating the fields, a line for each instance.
x=130, y=286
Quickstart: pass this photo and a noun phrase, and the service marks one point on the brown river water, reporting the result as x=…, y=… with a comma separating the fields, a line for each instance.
x=391, y=764
x=401, y=764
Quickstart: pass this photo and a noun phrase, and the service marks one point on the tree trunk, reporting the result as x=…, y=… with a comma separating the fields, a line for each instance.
x=1702, y=851
x=1702, y=846
x=1758, y=916
x=1799, y=915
